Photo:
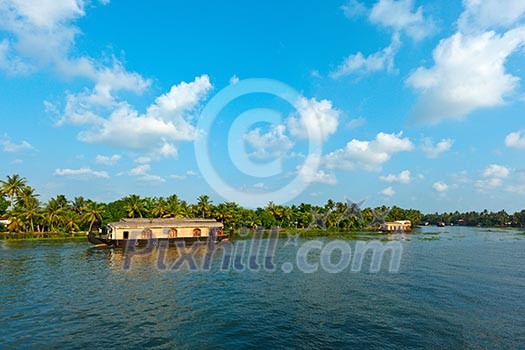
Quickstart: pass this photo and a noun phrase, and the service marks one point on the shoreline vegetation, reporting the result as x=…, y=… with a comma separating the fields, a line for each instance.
x=25, y=217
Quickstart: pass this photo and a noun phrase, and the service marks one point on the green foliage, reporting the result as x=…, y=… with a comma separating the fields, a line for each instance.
x=19, y=204
x=4, y=204
x=484, y=218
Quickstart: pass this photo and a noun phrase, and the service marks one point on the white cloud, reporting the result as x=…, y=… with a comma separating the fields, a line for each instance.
x=434, y=151
x=46, y=13
x=309, y=172
x=166, y=122
x=42, y=35
x=182, y=177
x=493, y=176
x=468, y=74
x=354, y=8
x=142, y=173
x=168, y=150
x=368, y=155
x=140, y=170
x=515, y=140
x=516, y=189
x=234, y=79
x=487, y=14
x=440, y=187
x=389, y=192
x=403, y=177
x=461, y=177
x=356, y=123
x=81, y=173
x=143, y=160
x=496, y=171
x=9, y=146
x=360, y=65
x=272, y=144
x=399, y=15
x=9, y=63
x=318, y=117
x=108, y=160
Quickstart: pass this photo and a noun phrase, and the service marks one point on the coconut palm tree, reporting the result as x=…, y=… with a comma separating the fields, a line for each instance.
x=31, y=211
x=93, y=214
x=12, y=187
x=61, y=201
x=134, y=206
x=204, y=206
x=16, y=224
x=79, y=205
x=53, y=214
x=27, y=195
x=71, y=222
x=158, y=209
x=176, y=208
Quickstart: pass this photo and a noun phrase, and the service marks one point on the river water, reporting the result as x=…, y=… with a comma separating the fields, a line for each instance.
x=460, y=288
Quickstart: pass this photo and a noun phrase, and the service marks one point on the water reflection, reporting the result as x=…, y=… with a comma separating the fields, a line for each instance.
x=449, y=293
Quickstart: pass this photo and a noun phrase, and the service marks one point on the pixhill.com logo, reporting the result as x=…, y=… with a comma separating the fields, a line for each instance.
x=266, y=251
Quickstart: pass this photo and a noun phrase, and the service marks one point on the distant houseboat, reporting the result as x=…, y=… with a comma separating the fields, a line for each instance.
x=397, y=226
x=142, y=231
x=441, y=224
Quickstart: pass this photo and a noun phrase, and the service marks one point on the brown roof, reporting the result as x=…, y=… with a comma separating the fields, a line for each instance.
x=169, y=222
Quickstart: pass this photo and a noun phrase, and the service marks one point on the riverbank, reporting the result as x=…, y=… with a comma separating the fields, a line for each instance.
x=9, y=236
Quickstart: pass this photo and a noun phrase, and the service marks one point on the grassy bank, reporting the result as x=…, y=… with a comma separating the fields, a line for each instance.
x=46, y=236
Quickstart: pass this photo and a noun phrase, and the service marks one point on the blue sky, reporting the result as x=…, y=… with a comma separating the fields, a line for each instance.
x=418, y=104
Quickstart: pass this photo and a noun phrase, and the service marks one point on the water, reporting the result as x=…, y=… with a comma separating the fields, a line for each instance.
x=461, y=289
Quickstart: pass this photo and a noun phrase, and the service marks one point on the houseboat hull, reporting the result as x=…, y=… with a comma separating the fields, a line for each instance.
x=122, y=243
x=144, y=232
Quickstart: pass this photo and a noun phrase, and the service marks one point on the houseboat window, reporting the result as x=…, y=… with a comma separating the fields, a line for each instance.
x=197, y=232
x=147, y=233
x=126, y=234
x=172, y=233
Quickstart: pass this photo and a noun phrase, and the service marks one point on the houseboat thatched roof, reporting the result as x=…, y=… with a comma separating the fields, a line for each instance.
x=168, y=222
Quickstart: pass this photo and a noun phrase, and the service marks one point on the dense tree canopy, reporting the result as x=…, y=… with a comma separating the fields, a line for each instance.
x=20, y=204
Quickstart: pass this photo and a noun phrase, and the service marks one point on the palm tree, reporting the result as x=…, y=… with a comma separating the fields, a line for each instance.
x=16, y=224
x=12, y=187
x=158, y=209
x=53, y=214
x=71, y=222
x=330, y=205
x=79, y=205
x=134, y=206
x=221, y=213
x=175, y=210
x=27, y=195
x=204, y=206
x=61, y=201
x=93, y=214
x=31, y=211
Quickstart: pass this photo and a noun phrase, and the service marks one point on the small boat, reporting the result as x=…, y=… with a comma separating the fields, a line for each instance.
x=146, y=231
x=441, y=224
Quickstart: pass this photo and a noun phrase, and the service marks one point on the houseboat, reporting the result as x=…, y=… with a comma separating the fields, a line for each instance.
x=397, y=226
x=143, y=231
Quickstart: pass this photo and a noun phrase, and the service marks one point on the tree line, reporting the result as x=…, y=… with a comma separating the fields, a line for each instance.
x=484, y=218
x=26, y=213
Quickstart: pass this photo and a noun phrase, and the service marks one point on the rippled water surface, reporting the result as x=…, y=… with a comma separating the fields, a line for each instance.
x=463, y=288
